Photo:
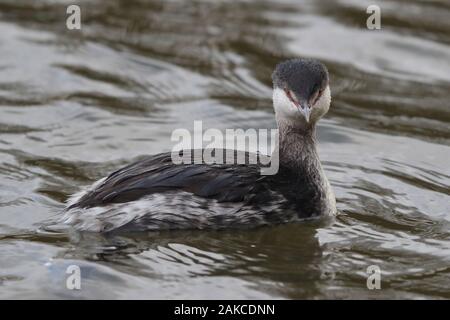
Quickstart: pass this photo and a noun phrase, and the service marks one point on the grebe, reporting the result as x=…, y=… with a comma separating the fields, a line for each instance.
x=156, y=194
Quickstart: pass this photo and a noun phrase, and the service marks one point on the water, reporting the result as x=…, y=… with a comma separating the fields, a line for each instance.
x=75, y=105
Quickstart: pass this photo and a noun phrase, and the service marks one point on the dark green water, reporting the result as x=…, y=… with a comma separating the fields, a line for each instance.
x=75, y=105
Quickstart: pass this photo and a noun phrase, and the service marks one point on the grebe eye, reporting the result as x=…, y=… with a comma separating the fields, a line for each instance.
x=317, y=95
x=290, y=95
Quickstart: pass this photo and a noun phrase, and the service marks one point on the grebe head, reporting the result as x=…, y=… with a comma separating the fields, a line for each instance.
x=301, y=92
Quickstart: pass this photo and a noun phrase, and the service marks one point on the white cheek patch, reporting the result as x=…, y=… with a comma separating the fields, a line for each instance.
x=323, y=104
x=284, y=108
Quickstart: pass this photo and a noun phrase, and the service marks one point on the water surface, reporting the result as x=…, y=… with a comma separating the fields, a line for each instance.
x=75, y=105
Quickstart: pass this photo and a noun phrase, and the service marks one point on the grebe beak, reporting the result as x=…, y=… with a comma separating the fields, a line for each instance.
x=305, y=110
x=303, y=107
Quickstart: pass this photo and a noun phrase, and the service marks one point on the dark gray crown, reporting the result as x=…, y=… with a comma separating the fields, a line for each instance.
x=302, y=76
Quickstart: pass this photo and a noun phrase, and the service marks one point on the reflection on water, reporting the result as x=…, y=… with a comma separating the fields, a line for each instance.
x=75, y=105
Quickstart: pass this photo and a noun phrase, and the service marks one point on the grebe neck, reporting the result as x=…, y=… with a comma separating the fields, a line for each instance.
x=299, y=158
x=297, y=147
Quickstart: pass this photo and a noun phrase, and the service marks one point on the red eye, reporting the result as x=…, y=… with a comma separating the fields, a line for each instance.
x=317, y=96
x=290, y=95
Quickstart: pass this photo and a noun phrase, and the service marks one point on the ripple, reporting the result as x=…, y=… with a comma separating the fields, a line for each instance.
x=75, y=106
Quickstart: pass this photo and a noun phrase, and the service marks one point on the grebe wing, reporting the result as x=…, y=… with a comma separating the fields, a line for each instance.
x=156, y=174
